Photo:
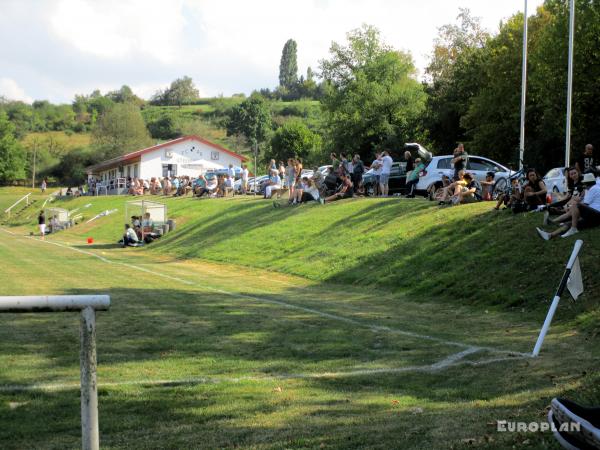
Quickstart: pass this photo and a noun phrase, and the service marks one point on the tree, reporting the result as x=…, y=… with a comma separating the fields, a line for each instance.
x=288, y=67
x=125, y=95
x=12, y=157
x=182, y=91
x=295, y=139
x=454, y=76
x=372, y=98
x=165, y=127
x=120, y=130
x=251, y=118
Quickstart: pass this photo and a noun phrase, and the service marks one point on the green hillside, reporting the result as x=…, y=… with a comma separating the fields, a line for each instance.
x=466, y=255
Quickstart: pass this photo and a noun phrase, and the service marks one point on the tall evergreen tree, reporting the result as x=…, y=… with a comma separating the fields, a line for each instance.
x=288, y=67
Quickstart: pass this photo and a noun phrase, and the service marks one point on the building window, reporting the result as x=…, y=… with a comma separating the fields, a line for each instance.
x=214, y=156
x=135, y=171
x=169, y=170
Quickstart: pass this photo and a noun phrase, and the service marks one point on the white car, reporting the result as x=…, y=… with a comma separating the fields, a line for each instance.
x=476, y=165
x=555, y=180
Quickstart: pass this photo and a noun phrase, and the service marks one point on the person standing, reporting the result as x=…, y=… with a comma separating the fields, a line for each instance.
x=358, y=168
x=290, y=178
x=376, y=166
x=460, y=160
x=244, y=175
x=44, y=185
x=42, y=223
x=231, y=171
x=386, y=169
x=586, y=163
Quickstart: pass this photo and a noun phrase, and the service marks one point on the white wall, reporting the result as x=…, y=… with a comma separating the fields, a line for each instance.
x=192, y=157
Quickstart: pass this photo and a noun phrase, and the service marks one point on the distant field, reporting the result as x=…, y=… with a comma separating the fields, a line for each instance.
x=57, y=140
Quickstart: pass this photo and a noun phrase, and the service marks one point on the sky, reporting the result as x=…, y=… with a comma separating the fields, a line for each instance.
x=54, y=49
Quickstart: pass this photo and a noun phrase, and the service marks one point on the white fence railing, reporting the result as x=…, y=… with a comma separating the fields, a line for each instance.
x=26, y=198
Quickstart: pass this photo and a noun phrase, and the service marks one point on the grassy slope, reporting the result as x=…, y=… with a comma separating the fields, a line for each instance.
x=466, y=255
x=370, y=246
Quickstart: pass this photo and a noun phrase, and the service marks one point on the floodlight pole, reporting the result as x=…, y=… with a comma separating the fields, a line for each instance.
x=570, y=83
x=523, y=90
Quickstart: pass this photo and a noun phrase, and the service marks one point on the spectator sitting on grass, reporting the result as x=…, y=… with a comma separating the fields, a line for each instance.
x=273, y=185
x=166, y=186
x=585, y=214
x=346, y=190
x=212, y=185
x=130, y=237
x=412, y=179
x=471, y=192
x=199, y=186
x=534, y=190
x=450, y=190
x=308, y=193
x=515, y=197
x=488, y=187
x=574, y=194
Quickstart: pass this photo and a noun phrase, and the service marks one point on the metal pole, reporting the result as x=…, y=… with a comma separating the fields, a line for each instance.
x=570, y=83
x=90, y=436
x=34, y=158
x=523, y=90
x=255, y=165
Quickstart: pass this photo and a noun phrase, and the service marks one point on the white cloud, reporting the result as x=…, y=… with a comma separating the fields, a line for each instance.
x=12, y=91
x=62, y=47
x=115, y=29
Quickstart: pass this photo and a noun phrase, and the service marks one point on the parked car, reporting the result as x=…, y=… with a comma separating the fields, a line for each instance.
x=397, y=183
x=555, y=180
x=259, y=183
x=478, y=166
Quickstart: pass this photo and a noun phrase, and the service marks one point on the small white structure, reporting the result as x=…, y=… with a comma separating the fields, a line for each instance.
x=57, y=218
x=156, y=210
x=188, y=155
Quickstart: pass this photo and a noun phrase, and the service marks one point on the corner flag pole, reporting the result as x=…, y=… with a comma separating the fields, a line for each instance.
x=570, y=84
x=523, y=90
x=559, y=291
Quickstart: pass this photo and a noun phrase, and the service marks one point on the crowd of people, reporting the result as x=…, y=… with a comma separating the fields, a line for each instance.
x=578, y=208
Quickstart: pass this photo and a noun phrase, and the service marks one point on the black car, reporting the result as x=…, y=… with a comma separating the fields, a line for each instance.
x=397, y=183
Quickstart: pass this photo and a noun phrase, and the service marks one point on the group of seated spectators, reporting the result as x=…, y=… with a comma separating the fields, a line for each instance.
x=140, y=231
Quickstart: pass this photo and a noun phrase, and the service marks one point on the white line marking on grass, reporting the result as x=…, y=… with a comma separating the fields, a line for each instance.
x=289, y=305
x=451, y=361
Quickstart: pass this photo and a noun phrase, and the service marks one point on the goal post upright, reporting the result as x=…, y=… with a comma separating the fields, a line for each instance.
x=87, y=305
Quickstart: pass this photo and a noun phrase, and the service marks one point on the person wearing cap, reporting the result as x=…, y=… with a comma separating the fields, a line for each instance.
x=585, y=214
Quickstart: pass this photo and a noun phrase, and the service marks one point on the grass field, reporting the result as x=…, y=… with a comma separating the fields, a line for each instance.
x=256, y=327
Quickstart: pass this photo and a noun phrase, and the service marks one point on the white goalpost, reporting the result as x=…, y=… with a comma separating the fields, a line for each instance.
x=87, y=305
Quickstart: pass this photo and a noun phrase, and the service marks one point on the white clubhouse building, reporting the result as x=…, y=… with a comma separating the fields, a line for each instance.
x=187, y=155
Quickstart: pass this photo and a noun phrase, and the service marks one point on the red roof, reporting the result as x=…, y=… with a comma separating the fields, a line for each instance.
x=138, y=153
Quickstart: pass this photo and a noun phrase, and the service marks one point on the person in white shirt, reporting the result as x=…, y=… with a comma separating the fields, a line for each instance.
x=309, y=192
x=274, y=184
x=586, y=214
x=386, y=169
x=211, y=185
x=376, y=166
x=244, y=174
x=130, y=236
x=231, y=172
